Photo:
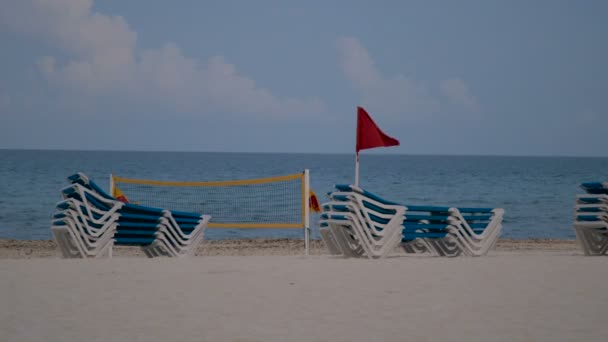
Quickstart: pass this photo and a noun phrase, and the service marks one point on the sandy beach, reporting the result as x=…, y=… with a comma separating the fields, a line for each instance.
x=266, y=290
x=27, y=249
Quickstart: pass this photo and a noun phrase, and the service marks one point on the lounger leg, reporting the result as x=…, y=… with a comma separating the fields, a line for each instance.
x=330, y=241
x=65, y=244
x=106, y=251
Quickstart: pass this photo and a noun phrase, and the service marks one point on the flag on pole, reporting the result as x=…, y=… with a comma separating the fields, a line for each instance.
x=119, y=195
x=369, y=135
x=314, y=202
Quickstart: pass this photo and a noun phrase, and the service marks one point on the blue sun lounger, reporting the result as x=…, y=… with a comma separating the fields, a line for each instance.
x=591, y=218
x=432, y=229
x=88, y=222
x=182, y=225
x=362, y=226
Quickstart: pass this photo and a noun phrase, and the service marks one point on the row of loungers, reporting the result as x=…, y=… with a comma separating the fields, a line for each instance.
x=357, y=223
x=88, y=223
x=591, y=218
x=354, y=223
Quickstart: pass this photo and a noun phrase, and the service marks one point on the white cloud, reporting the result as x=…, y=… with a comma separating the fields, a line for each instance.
x=358, y=65
x=98, y=58
x=458, y=92
x=398, y=93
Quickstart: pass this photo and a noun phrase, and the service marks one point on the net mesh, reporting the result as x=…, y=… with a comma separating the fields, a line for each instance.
x=276, y=202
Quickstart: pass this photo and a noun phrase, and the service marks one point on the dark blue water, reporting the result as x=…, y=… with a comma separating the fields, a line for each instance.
x=537, y=192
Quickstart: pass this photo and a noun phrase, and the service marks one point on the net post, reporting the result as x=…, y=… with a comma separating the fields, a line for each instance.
x=307, y=212
x=111, y=185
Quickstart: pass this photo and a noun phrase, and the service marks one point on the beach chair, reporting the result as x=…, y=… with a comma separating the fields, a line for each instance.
x=434, y=230
x=179, y=221
x=83, y=235
x=73, y=241
x=475, y=230
x=591, y=218
x=89, y=222
x=160, y=232
x=339, y=236
x=328, y=238
x=359, y=221
x=428, y=233
x=478, y=229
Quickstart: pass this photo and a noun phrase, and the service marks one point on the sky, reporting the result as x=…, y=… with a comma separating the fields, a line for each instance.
x=444, y=77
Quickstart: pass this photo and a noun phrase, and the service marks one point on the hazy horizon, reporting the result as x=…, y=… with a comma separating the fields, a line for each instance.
x=362, y=154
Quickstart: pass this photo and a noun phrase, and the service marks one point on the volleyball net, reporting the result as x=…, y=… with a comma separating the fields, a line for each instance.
x=272, y=202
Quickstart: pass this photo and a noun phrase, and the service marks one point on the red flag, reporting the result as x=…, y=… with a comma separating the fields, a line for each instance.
x=119, y=195
x=369, y=134
x=313, y=202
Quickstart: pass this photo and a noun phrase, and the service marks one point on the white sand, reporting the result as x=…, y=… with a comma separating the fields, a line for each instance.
x=506, y=296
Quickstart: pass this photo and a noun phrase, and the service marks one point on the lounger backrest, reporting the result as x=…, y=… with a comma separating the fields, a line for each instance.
x=83, y=180
x=476, y=218
x=596, y=188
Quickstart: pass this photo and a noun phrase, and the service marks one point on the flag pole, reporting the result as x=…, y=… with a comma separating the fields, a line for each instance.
x=357, y=170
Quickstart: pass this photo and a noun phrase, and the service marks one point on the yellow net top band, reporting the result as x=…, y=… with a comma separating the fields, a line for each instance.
x=211, y=183
x=255, y=225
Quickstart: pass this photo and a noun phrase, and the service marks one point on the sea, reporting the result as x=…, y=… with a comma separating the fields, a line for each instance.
x=537, y=193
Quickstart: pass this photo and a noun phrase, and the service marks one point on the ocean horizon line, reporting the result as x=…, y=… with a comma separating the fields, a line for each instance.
x=369, y=153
